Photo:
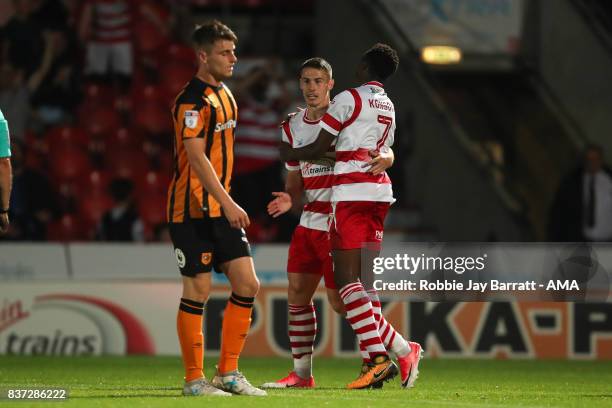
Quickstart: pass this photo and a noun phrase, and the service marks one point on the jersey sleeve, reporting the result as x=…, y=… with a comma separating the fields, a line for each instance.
x=391, y=138
x=340, y=110
x=5, y=140
x=287, y=137
x=194, y=120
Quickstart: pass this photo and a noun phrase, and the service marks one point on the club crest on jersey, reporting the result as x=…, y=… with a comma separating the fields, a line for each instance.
x=191, y=119
x=180, y=258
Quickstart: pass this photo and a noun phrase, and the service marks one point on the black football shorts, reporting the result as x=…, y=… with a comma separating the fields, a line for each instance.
x=201, y=244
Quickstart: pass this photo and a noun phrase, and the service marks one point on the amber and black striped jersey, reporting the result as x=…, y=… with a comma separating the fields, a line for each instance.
x=208, y=112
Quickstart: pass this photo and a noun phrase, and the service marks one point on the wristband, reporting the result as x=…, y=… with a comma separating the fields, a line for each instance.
x=4, y=211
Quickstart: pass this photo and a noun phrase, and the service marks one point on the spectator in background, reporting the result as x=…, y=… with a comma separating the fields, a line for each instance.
x=106, y=27
x=50, y=15
x=22, y=39
x=16, y=88
x=33, y=201
x=582, y=209
x=256, y=168
x=122, y=222
x=58, y=95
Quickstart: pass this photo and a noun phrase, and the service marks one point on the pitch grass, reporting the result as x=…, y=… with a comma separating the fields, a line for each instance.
x=156, y=382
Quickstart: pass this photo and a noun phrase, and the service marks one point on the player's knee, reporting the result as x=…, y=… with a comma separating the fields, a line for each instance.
x=201, y=288
x=248, y=288
x=336, y=303
x=296, y=288
x=338, y=306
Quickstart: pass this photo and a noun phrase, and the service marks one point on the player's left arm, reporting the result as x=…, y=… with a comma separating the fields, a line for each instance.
x=381, y=160
x=384, y=157
x=313, y=151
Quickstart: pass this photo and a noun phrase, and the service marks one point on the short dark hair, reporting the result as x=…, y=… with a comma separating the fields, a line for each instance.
x=211, y=31
x=382, y=60
x=317, y=63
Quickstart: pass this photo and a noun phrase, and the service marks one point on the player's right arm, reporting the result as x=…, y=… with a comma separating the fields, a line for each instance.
x=338, y=113
x=198, y=161
x=292, y=196
x=294, y=185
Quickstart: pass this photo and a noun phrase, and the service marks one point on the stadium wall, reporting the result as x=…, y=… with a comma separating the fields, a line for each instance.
x=91, y=299
x=576, y=65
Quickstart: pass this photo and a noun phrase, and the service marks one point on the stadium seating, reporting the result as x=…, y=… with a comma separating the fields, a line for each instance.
x=92, y=207
x=153, y=183
x=179, y=53
x=132, y=164
x=97, y=95
x=69, y=164
x=68, y=228
x=99, y=121
x=152, y=208
x=63, y=137
x=124, y=138
x=153, y=117
x=93, y=183
x=174, y=77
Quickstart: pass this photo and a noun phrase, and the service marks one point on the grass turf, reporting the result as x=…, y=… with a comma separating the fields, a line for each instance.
x=156, y=381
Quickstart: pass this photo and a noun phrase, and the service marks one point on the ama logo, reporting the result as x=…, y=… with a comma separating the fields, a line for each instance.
x=71, y=324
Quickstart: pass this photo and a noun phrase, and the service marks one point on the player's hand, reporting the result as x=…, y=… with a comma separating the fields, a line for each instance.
x=380, y=162
x=283, y=149
x=237, y=217
x=280, y=205
x=4, y=223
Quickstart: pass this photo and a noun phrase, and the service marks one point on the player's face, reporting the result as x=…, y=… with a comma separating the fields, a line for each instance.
x=315, y=85
x=220, y=59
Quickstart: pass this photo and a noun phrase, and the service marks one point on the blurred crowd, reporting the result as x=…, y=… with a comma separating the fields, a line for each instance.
x=86, y=87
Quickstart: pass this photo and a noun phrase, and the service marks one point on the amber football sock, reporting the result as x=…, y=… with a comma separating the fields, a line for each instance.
x=191, y=338
x=236, y=323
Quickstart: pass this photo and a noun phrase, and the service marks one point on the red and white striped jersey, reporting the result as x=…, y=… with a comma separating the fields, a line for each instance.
x=256, y=137
x=298, y=131
x=112, y=20
x=363, y=119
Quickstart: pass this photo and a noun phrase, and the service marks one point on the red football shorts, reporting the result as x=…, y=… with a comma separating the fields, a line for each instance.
x=309, y=252
x=358, y=224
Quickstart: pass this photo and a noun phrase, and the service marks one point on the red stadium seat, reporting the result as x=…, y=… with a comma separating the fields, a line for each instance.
x=152, y=209
x=175, y=76
x=124, y=139
x=179, y=53
x=67, y=137
x=97, y=94
x=146, y=93
x=68, y=228
x=153, y=117
x=148, y=37
x=131, y=164
x=69, y=164
x=153, y=183
x=166, y=163
x=93, y=183
x=100, y=121
x=92, y=207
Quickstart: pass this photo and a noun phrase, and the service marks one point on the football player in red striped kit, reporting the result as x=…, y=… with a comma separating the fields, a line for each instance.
x=360, y=120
